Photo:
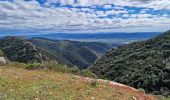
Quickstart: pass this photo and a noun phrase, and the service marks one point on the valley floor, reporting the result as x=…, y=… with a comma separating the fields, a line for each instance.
x=22, y=84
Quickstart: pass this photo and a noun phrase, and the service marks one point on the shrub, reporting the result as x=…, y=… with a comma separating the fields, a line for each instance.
x=94, y=83
x=88, y=73
x=54, y=65
x=33, y=66
x=1, y=53
x=17, y=64
x=141, y=90
x=74, y=70
x=73, y=77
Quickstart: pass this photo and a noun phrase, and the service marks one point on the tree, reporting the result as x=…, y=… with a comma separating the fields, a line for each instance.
x=166, y=52
x=1, y=53
x=74, y=70
x=88, y=73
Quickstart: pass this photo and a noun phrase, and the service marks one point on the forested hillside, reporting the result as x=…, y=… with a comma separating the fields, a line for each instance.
x=71, y=53
x=18, y=49
x=144, y=64
x=81, y=54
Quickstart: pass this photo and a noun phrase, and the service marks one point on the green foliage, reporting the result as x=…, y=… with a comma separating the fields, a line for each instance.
x=94, y=83
x=17, y=64
x=18, y=49
x=32, y=66
x=72, y=53
x=80, y=54
x=74, y=70
x=54, y=65
x=160, y=97
x=20, y=84
x=1, y=53
x=88, y=73
x=144, y=64
x=141, y=90
x=73, y=77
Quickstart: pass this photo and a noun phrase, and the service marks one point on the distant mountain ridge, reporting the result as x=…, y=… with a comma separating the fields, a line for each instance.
x=72, y=53
x=144, y=64
x=113, y=38
x=81, y=54
x=97, y=35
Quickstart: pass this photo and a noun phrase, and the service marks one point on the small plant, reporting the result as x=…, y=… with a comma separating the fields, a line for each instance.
x=33, y=66
x=88, y=73
x=54, y=65
x=1, y=53
x=18, y=64
x=94, y=83
x=74, y=77
x=141, y=90
x=74, y=70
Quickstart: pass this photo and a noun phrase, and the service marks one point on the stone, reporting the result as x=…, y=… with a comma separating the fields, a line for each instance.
x=3, y=61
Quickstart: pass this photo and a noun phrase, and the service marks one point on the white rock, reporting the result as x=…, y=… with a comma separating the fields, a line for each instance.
x=3, y=61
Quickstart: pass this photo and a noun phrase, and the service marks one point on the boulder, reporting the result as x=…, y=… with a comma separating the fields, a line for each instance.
x=3, y=61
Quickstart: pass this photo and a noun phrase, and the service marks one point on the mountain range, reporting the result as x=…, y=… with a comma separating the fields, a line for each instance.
x=71, y=53
x=143, y=64
x=113, y=38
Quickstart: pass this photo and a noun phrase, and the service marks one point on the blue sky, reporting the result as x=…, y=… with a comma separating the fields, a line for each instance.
x=83, y=16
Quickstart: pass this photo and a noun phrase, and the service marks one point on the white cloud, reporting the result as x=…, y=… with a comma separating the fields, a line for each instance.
x=156, y=4
x=126, y=15
x=113, y=12
x=107, y=6
x=31, y=16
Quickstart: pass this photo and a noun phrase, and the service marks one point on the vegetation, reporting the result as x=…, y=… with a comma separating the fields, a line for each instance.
x=74, y=70
x=33, y=66
x=163, y=97
x=18, y=49
x=55, y=66
x=144, y=64
x=72, y=53
x=94, y=83
x=37, y=50
x=88, y=73
x=22, y=84
x=1, y=53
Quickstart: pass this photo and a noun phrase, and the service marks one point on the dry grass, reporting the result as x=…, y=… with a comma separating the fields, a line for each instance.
x=22, y=84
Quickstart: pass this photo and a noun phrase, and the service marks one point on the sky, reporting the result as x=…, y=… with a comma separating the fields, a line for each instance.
x=83, y=16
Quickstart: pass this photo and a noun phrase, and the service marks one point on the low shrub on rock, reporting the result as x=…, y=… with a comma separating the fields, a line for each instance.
x=74, y=70
x=88, y=73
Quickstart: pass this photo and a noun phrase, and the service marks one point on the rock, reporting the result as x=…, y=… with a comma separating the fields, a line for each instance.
x=3, y=61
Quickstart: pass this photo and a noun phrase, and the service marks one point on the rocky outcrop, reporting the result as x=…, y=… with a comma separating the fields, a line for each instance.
x=3, y=61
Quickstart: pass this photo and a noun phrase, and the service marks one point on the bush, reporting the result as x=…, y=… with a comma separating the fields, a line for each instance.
x=33, y=66
x=88, y=73
x=54, y=65
x=94, y=83
x=17, y=64
x=141, y=90
x=1, y=53
x=74, y=70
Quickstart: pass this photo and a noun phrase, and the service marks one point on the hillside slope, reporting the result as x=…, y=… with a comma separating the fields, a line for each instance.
x=24, y=84
x=18, y=49
x=144, y=64
x=81, y=54
x=72, y=53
